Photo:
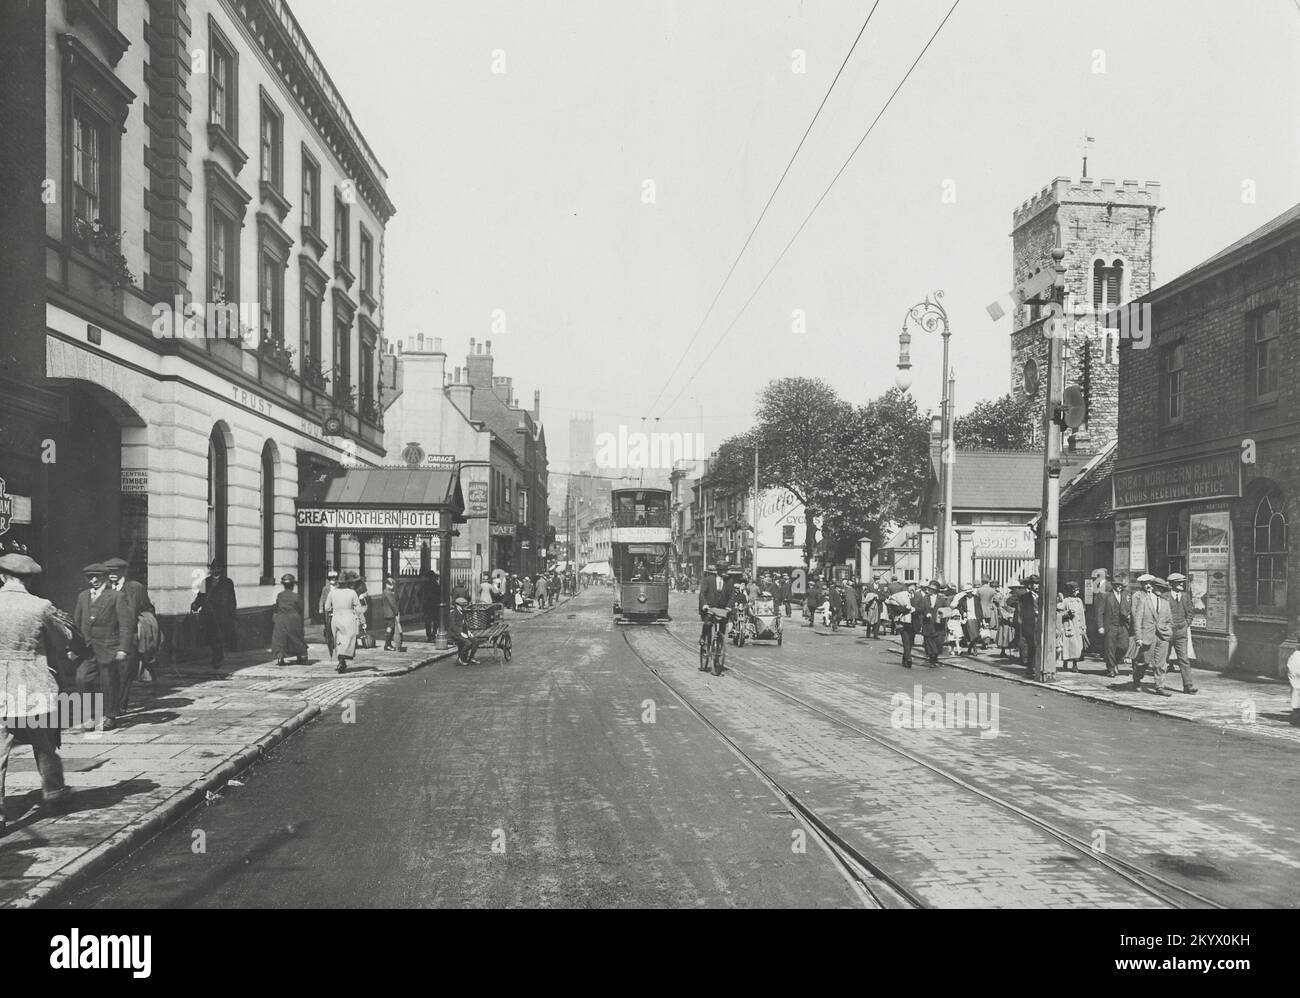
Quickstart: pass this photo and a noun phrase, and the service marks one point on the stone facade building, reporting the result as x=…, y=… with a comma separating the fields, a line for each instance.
x=194, y=245
x=1108, y=234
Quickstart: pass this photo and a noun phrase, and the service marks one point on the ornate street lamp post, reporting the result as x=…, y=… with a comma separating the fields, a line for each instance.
x=931, y=316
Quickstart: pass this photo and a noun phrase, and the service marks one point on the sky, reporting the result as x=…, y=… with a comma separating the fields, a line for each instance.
x=590, y=169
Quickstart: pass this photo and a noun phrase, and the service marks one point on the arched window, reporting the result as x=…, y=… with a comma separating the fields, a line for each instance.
x=1270, y=552
x=218, y=489
x=1107, y=284
x=268, y=512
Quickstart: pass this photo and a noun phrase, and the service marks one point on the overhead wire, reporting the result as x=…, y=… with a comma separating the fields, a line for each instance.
x=816, y=205
x=762, y=214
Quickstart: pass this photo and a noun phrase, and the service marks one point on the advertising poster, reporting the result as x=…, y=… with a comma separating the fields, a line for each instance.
x=1208, y=551
x=1137, y=550
x=1122, y=537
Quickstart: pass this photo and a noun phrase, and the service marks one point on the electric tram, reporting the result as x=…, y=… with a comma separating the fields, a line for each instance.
x=642, y=554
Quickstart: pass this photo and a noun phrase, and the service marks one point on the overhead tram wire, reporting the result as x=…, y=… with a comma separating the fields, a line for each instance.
x=762, y=214
x=813, y=211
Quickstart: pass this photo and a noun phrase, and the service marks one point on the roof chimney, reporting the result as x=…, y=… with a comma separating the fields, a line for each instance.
x=437, y=344
x=489, y=346
x=537, y=405
x=471, y=345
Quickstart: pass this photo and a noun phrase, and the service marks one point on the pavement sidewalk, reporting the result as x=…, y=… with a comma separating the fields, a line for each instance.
x=191, y=731
x=1247, y=705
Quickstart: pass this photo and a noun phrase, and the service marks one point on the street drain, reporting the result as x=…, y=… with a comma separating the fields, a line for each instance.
x=1177, y=864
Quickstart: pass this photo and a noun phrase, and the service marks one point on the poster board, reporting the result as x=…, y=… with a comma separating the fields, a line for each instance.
x=1209, y=555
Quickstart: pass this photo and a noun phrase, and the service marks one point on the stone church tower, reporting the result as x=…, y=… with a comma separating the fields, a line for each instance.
x=1108, y=234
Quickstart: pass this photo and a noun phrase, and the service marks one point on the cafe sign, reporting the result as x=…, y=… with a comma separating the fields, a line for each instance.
x=1194, y=480
x=354, y=519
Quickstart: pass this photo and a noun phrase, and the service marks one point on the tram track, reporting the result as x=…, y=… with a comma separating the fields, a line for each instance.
x=1148, y=882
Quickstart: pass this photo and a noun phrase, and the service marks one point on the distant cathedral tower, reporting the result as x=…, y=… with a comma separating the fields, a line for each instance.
x=582, y=443
x=1108, y=234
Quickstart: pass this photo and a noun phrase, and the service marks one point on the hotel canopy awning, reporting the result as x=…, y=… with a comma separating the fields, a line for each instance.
x=365, y=500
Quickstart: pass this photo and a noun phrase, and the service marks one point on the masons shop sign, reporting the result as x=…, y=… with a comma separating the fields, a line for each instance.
x=402, y=520
x=1215, y=477
x=1003, y=541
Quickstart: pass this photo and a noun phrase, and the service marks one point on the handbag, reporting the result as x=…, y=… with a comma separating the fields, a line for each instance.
x=365, y=640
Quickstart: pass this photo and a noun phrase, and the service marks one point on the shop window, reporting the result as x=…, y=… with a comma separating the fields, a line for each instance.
x=1174, y=561
x=1270, y=552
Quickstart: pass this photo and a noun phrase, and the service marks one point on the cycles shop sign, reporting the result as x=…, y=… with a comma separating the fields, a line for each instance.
x=403, y=520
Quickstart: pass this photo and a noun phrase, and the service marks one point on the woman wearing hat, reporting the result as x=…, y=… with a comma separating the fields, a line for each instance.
x=345, y=614
x=323, y=607
x=288, y=636
x=1004, y=605
x=1072, y=627
x=28, y=626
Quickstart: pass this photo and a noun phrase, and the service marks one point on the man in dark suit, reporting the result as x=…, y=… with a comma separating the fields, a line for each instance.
x=1114, y=638
x=1029, y=624
x=106, y=619
x=925, y=612
x=715, y=591
x=216, y=607
x=135, y=594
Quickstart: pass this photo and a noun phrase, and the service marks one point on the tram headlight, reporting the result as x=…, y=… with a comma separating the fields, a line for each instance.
x=641, y=598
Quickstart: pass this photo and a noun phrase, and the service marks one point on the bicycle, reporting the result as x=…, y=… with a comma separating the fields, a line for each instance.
x=713, y=650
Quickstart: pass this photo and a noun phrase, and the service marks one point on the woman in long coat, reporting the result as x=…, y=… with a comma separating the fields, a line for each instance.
x=392, y=611
x=1004, y=620
x=288, y=636
x=1072, y=626
x=29, y=626
x=871, y=610
x=346, y=611
x=851, y=614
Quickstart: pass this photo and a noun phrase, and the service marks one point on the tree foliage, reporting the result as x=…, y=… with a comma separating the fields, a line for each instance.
x=856, y=468
x=1006, y=423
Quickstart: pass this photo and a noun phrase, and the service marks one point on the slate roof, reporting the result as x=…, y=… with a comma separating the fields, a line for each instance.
x=1088, y=496
x=1188, y=277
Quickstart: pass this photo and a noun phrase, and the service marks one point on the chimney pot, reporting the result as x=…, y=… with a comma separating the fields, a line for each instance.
x=489, y=346
x=471, y=344
x=437, y=344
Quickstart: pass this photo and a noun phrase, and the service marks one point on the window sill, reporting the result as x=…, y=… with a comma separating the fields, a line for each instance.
x=271, y=195
x=219, y=138
x=311, y=239
x=1173, y=424
x=1280, y=619
x=1263, y=403
x=105, y=31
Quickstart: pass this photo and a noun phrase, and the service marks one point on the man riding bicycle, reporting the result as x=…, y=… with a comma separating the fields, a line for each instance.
x=715, y=591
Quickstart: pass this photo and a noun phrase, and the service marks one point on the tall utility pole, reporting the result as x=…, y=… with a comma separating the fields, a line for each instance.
x=753, y=519
x=704, y=532
x=1049, y=523
x=951, y=569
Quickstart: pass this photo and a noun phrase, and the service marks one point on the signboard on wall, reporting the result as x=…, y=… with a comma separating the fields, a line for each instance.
x=1209, y=546
x=476, y=499
x=1215, y=477
x=1003, y=541
x=1123, y=537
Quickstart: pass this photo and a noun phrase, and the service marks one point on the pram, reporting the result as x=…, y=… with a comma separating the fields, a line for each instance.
x=764, y=620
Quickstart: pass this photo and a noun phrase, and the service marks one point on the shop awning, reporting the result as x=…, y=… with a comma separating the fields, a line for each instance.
x=596, y=568
x=364, y=500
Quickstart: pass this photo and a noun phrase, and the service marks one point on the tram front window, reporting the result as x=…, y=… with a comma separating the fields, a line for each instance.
x=644, y=563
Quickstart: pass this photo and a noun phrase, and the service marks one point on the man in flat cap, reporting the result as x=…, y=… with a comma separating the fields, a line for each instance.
x=146, y=627
x=1029, y=611
x=1152, y=626
x=29, y=628
x=105, y=617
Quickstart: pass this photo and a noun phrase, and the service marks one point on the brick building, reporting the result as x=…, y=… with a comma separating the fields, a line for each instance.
x=193, y=233
x=1207, y=472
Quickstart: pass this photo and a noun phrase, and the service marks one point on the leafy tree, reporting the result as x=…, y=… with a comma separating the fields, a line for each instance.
x=1007, y=423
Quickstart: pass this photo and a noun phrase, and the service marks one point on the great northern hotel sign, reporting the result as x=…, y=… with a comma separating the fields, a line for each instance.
x=411, y=521
x=1215, y=477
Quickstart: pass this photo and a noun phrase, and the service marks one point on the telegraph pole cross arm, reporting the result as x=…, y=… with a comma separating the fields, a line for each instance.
x=1040, y=288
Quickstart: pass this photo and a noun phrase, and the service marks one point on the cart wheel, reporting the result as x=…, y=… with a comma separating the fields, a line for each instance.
x=505, y=648
x=778, y=639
